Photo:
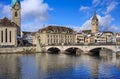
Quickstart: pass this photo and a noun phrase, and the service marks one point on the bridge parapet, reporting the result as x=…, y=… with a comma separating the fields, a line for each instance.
x=85, y=48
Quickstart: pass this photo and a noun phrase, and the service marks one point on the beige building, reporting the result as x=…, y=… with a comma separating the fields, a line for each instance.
x=97, y=38
x=80, y=39
x=57, y=35
x=10, y=29
x=105, y=38
x=117, y=38
x=8, y=33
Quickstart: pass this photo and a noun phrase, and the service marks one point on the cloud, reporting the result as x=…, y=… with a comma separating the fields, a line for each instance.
x=96, y=2
x=31, y=27
x=35, y=9
x=5, y=10
x=104, y=24
x=33, y=12
x=86, y=25
x=111, y=7
x=83, y=8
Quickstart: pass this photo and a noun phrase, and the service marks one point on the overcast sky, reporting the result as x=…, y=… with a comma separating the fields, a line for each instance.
x=76, y=14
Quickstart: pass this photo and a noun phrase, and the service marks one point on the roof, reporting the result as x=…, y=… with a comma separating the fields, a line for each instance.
x=57, y=29
x=95, y=16
x=25, y=33
x=7, y=23
x=108, y=32
x=86, y=31
x=14, y=2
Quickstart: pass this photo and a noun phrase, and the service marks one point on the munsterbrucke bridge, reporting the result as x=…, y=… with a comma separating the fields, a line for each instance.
x=81, y=48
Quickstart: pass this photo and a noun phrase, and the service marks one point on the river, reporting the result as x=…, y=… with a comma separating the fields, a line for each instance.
x=58, y=66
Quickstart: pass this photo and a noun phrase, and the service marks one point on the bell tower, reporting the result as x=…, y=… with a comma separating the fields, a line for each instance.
x=94, y=23
x=16, y=14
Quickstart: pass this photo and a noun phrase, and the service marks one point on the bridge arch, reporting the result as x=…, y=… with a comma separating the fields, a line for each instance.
x=53, y=50
x=73, y=51
x=100, y=51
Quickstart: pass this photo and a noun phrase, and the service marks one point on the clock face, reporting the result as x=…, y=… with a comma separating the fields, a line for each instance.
x=16, y=7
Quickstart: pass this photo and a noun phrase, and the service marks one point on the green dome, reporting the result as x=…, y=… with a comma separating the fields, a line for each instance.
x=14, y=1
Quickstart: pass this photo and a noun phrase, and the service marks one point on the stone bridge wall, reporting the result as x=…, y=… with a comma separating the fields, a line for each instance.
x=86, y=48
x=18, y=49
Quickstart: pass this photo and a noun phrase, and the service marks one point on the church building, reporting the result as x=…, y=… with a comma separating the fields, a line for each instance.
x=10, y=29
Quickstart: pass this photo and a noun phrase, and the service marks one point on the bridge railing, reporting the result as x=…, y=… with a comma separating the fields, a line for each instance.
x=86, y=44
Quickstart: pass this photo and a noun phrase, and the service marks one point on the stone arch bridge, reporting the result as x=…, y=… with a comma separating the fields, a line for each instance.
x=84, y=48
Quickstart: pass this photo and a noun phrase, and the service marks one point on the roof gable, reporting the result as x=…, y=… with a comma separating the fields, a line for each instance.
x=6, y=22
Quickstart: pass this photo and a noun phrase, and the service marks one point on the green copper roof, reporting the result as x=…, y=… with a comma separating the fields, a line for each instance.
x=14, y=1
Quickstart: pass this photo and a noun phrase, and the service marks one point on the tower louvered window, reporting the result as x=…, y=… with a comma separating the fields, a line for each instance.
x=16, y=14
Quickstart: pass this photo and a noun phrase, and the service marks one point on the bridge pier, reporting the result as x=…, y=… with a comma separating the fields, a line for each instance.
x=85, y=52
x=62, y=51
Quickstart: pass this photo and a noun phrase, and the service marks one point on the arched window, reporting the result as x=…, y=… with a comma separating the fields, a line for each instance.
x=5, y=35
x=1, y=36
x=10, y=36
x=16, y=14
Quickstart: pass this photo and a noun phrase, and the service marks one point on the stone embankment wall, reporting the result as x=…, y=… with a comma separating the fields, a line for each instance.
x=30, y=49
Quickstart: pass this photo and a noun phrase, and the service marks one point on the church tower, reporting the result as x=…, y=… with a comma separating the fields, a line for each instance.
x=94, y=23
x=16, y=14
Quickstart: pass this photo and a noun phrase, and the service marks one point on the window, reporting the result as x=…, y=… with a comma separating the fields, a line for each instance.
x=16, y=14
x=10, y=36
x=5, y=35
x=1, y=36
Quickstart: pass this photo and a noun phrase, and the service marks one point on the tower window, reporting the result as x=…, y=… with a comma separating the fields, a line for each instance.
x=16, y=14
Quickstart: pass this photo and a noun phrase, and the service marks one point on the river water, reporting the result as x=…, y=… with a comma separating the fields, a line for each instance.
x=58, y=66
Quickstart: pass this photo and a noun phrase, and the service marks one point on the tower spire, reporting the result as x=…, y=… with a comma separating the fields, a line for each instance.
x=95, y=16
x=15, y=1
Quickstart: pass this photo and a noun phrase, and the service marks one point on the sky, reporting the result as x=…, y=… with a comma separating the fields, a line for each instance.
x=76, y=14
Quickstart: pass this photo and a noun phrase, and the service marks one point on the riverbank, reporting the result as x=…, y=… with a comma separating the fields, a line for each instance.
x=15, y=50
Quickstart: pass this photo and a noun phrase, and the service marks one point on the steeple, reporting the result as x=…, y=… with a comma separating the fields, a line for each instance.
x=95, y=17
x=14, y=2
x=94, y=23
x=16, y=14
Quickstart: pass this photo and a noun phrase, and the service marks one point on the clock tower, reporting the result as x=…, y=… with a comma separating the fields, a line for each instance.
x=94, y=23
x=16, y=14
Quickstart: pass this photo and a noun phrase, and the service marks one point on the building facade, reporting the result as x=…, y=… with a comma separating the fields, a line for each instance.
x=80, y=39
x=8, y=33
x=97, y=38
x=10, y=29
x=117, y=36
x=57, y=35
x=105, y=38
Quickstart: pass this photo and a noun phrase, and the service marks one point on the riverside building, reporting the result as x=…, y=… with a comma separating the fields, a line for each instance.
x=57, y=35
x=10, y=29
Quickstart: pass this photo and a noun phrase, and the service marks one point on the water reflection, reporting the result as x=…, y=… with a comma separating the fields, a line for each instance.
x=50, y=66
x=9, y=67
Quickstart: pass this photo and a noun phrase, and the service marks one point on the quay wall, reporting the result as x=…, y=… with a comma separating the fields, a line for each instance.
x=10, y=50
